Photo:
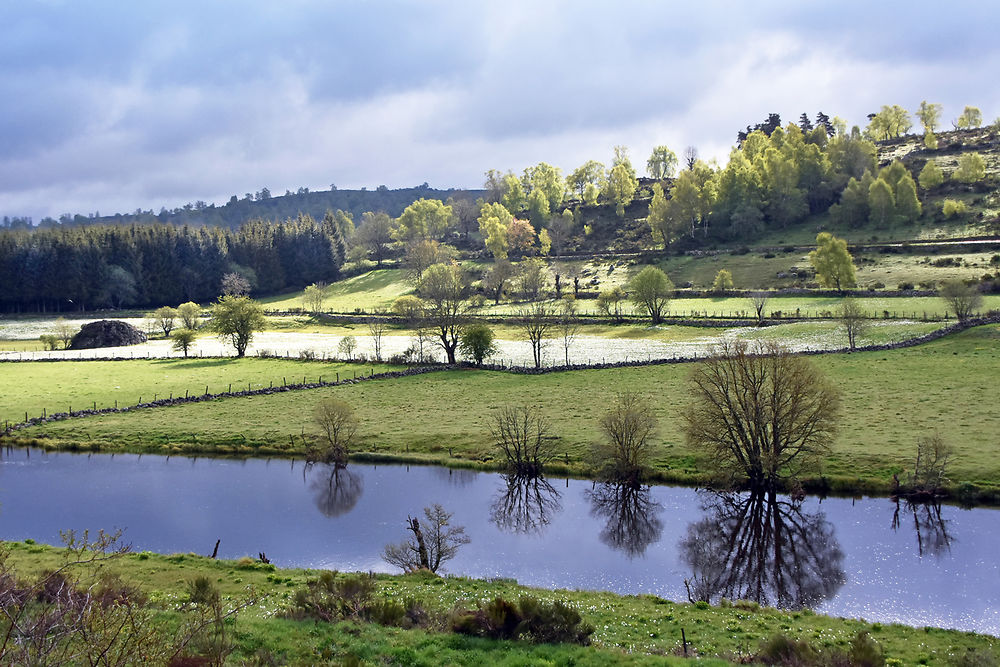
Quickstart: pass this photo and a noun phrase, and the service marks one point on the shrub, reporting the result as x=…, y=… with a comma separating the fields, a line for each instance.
x=782, y=650
x=951, y=208
x=538, y=621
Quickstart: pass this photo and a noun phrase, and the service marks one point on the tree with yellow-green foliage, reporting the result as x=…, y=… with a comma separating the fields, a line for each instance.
x=971, y=168
x=423, y=220
x=723, y=281
x=833, y=263
x=929, y=114
x=931, y=175
x=971, y=118
x=493, y=222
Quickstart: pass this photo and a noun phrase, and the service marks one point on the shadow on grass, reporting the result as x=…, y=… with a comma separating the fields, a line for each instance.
x=195, y=362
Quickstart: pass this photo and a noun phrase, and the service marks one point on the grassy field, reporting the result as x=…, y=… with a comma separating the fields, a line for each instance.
x=376, y=289
x=58, y=385
x=890, y=400
x=630, y=630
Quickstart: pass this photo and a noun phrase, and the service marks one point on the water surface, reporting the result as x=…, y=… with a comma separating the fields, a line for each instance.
x=868, y=558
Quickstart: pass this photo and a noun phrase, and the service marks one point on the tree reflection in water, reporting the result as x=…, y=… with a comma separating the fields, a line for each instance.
x=761, y=548
x=931, y=528
x=524, y=504
x=335, y=489
x=632, y=521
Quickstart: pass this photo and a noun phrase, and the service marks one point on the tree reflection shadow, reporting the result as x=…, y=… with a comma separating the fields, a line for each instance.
x=931, y=528
x=762, y=548
x=524, y=504
x=632, y=521
x=335, y=489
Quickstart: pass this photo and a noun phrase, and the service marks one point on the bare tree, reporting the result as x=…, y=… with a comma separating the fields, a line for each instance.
x=628, y=425
x=234, y=284
x=431, y=545
x=496, y=279
x=930, y=472
x=568, y=326
x=521, y=434
x=758, y=301
x=535, y=322
x=690, y=157
x=65, y=331
x=377, y=326
x=962, y=299
x=852, y=318
x=762, y=413
x=338, y=427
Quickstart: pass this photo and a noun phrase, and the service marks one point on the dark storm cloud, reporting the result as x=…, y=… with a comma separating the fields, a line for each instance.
x=113, y=106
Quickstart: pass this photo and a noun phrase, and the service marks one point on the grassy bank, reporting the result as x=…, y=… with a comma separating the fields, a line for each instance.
x=56, y=386
x=630, y=630
x=891, y=399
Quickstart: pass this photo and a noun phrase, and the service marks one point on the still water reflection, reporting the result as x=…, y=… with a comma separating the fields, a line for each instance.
x=869, y=558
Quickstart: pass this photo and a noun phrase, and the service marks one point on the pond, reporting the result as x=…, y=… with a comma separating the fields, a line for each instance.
x=870, y=558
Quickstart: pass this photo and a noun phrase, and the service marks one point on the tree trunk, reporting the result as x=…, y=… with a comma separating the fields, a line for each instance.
x=421, y=546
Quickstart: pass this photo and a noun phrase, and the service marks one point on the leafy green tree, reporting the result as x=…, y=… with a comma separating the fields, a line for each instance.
x=445, y=291
x=662, y=163
x=590, y=194
x=853, y=209
x=907, y=203
x=590, y=173
x=930, y=141
x=544, y=242
x=424, y=220
x=477, y=343
x=929, y=115
x=660, y=223
x=313, y=297
x=971, y=168
x=547, y=180
x=513, y=198
x=622, y=186
x=833, y=263
x=971, y=117
x=931, y=175
x=494, y=219
x=881, y=202
x=164, y=316
x=723, y=281
x=183, y=340
x=538, y=208
x=189, y=312
x=236, y=319
x=651, y=289
x=889, y=122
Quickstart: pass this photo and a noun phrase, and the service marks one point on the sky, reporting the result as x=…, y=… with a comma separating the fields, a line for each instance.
x=110, y=106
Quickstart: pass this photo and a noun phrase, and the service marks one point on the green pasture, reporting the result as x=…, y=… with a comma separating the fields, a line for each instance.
x=376, y=289
x=891, y=399
x=58, y=386
x=630, y=630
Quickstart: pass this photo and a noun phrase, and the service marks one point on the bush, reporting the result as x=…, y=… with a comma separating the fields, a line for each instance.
x=538, y=621
x=951, y=208
x=782, y=650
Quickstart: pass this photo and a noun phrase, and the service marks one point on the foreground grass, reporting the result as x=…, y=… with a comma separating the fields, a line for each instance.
x=891, y=399
x=57, y=386
x=631, y=630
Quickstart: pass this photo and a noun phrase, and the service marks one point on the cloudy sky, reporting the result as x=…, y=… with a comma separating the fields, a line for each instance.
x=111, y=106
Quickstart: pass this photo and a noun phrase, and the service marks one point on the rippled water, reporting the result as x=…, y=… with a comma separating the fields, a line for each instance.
x=867, y=558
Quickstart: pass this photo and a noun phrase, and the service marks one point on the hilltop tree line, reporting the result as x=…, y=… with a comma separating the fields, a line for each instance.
x=148, y=265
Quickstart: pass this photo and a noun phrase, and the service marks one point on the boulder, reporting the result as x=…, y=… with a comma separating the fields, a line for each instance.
x=106, y=333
